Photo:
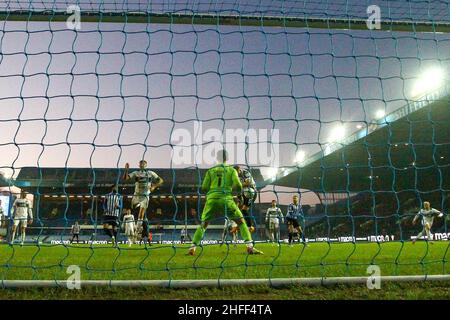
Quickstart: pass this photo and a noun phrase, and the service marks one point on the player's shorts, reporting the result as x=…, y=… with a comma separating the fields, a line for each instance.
x=111, y=220
x=293, y=222
x=129, y=230
x=274, y=224
x=249, y=221
x=140, y=201
x=221, y=207
x=424, y=223
x=23, y=220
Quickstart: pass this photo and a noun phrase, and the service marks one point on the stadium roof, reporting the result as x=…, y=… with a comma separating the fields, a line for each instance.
x=407, y=150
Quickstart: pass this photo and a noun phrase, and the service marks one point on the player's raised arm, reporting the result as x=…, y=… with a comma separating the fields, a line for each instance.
x=126, y=175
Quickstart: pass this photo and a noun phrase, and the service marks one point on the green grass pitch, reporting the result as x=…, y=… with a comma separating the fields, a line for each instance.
x=163, y=262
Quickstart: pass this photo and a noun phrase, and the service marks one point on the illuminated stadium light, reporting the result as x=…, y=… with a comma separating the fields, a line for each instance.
x=380, y=114
x=337, y=134
x=300, y=156
x=272, y=172
x=428, y=81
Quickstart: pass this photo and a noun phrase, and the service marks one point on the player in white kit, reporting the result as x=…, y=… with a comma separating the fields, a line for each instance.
x=22, y=214
x=427, y=214
x=128, y=220
x=145, y=182
x=273, y=217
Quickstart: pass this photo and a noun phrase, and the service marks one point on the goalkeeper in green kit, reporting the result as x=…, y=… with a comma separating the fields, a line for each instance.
x=219, y=183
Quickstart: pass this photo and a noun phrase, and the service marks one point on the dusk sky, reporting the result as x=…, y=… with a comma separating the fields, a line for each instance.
x=133, y=85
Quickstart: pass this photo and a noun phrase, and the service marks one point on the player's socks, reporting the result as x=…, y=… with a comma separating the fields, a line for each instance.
x=114, y=232
x=23, y=237
x=245, y=233
x=290, y=237
x=428, y=235
x=198, y=236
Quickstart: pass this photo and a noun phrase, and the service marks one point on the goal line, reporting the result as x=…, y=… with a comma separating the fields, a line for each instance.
x=276, y=282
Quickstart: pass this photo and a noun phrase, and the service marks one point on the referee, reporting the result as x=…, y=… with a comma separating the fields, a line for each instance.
x=112, y=207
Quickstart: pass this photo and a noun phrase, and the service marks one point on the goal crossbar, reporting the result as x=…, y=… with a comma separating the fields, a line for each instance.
x=348, y=23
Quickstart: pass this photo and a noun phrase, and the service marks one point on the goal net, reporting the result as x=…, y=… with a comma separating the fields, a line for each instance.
x=343, y=104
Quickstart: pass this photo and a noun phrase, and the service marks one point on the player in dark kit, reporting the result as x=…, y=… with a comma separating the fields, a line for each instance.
x=112, y=207
x=293, y=214
x=247, y=196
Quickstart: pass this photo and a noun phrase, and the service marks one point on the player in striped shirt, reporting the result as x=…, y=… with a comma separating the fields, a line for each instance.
x=294, y=212
x=146, y=181
x=273, y=217
x=427, y=214
x=22, y=214
x=247, y=196
x=112, y=207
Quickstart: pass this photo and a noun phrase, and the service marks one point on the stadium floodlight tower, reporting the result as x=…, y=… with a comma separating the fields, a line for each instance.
x=228, y=52
x=380, y=114
x=337, y=134
x=300, y=156
x=431, y=79
x=272, y=172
